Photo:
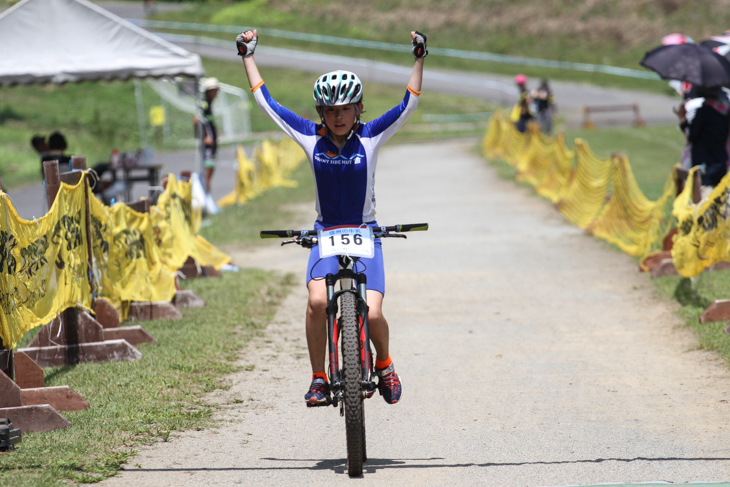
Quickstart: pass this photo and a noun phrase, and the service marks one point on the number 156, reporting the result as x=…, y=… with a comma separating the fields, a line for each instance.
x=345, y=239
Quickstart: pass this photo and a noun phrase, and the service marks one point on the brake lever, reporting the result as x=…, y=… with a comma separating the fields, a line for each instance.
x=289, y=242
x=394, y=235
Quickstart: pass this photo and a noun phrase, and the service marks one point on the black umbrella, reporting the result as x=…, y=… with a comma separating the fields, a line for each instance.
x=693, y=63
x=722, y=47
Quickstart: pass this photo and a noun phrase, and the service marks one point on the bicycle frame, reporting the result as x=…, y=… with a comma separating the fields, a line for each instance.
x=355, y=283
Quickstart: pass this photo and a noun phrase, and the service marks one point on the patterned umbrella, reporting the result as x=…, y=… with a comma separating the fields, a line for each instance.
x=693, y=63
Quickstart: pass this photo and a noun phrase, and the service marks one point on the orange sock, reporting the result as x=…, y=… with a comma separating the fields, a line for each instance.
x=319, y=375
x=381, y=364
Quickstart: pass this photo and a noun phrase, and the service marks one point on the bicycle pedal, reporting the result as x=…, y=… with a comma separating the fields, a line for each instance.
x=319, y=404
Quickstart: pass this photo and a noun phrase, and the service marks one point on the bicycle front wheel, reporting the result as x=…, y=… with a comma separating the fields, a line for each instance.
x=352, y=375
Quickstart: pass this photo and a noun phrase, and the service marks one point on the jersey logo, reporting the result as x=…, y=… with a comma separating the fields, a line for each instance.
x=338, y=159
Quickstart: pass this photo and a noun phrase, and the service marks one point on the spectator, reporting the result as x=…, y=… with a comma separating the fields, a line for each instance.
x=39, y=143
x=522, y=111
x=708, y=133
x=545, y=105
x=210, y=134
x=690, y=103
x=57, y=152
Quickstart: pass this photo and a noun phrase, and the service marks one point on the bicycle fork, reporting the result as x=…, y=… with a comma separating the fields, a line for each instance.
x=333, y=332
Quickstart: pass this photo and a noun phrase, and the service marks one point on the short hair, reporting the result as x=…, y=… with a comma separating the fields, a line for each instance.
x=38, y=142
x=57, y=141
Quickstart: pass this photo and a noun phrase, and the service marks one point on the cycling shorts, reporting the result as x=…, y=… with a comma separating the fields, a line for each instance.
x=372, y=267
x=209, y=159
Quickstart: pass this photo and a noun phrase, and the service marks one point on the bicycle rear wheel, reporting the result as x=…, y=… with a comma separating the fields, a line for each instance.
x=354, y=414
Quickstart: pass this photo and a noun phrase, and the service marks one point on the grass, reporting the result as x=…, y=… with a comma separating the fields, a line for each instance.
x=695, y=295
x=240, y=225
x=612, y=32
x=148, y=400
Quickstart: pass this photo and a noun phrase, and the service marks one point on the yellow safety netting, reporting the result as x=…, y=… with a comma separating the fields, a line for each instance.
x=702, y=229
x=587, y=191
x=629, y=219
x=270, y=166
x=43, y=263
x=134, y=256
x=127, y=262
x=545, y=163
x=174, y=227
x=596, y=194
x=244, y=189
x=559, y=174
x=502, y=140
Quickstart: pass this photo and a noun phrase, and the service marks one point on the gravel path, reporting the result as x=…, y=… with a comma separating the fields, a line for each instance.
x=531, y=355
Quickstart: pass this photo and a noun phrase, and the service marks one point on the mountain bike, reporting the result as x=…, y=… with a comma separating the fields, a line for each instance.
x=351, y=370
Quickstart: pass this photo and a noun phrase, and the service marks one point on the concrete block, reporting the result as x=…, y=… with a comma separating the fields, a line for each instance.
x=9, y=393
x=652, y=262
x=718, y=310
x=61, y=398
x=106, y=314
x=37, y=418
x=88, y=330
x=28, y=374
x=664, y=268
x=104, y=351
x=187, y=299
x=210, y=271
x=132, y=334
x=157, y=310
x=191, y=269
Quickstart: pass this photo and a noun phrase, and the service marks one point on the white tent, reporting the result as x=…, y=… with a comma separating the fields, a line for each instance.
x=60, y=41
x=69, y=41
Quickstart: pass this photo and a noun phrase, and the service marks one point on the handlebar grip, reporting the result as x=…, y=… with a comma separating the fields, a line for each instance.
x=285, y=233
x=276, y=233
x=408, y=227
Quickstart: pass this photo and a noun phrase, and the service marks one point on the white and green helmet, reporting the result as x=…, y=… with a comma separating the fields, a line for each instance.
x=337, y=88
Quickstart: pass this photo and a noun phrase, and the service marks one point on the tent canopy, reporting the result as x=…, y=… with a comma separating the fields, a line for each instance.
x=61, y=41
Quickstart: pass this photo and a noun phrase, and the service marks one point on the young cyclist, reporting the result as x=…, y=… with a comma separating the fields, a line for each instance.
x=342, y=153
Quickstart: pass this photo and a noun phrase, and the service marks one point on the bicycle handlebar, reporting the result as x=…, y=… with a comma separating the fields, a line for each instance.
x=378, y=231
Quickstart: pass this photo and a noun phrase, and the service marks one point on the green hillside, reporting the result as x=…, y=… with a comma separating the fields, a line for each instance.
x=98, y=117
x=612, y=32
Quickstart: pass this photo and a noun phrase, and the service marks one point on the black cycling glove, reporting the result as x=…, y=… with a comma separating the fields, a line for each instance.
x=246, y=48
x=419, y=46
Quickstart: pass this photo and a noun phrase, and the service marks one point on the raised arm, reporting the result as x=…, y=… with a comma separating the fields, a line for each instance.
x=418, y=43
x=246, y=44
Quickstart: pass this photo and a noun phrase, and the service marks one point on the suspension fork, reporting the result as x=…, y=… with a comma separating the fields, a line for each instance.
x=333, y=333
x=366, y=354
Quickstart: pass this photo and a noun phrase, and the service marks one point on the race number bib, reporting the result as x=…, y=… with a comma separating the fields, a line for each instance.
x=353, y=241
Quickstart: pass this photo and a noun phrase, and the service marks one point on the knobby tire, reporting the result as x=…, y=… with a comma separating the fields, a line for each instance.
x=354, y=414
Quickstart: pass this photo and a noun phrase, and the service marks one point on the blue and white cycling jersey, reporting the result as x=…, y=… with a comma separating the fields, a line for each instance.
x=344, y=181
